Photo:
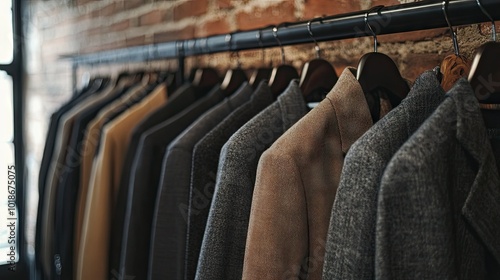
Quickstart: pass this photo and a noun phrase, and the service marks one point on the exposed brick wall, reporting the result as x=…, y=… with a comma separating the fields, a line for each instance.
x=84, y=26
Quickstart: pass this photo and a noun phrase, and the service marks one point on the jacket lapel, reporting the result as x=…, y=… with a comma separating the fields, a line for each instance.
x=483, y=202
x=352, y=112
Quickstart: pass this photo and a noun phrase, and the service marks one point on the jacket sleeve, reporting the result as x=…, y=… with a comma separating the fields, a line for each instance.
x=94, y=242
x=275, y=246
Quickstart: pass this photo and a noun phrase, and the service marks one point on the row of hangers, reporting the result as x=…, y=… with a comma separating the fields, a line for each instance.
x=375, y=70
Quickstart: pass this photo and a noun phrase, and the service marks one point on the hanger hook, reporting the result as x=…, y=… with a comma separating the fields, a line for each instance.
x=375, y=40
x=261, y=44
x=444, y=7
x=493, y=27
x=205, y=49
x=193, y=49
x=316, y=46
x=275, y=34
x=229, y=40
x=180, y=47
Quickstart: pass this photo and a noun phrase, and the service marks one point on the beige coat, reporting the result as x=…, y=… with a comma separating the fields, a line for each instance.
x=89, y=148
x=93, y=256
x=297, y=179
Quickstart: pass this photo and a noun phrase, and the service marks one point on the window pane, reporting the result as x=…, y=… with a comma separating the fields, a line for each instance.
x=9, y=245
x=6, y=108
x=6, y=34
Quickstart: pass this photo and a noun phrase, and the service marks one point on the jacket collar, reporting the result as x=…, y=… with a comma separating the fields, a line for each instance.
x=292, y=104
x=262, y=94
x=483, y=202
x=350, y=107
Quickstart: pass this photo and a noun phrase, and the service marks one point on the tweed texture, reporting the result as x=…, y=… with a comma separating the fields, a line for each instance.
x=439, y=199
x=223, y=247
x=172, y=197
x=350, y=247
x=205, y=162
x=297, y=178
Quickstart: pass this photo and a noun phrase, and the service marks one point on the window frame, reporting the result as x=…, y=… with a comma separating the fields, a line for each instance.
x=15, y=69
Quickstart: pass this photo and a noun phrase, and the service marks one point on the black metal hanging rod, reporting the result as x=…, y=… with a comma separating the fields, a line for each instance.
x=387, y=20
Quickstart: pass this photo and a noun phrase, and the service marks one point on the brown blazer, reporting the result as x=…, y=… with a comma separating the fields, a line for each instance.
x=296, y=183
x=93, y=257
x=89, y=149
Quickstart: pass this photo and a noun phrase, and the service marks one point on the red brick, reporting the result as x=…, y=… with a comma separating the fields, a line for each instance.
x=130, y=4
x=190, y=8
x=120, y=26
x=109, y=46
x=412, y=36
x=169, y=15
x=384, y=3
x=213, y=27
x=106, y=10
x=339, y=63
x=224, y=4
x=339, y=67
x=416, y=64
x=136, y=41
x=486, y=28
x=94, y=31
x=317, y=8
x=151, y=18
x=166, y=36
x=261, y=17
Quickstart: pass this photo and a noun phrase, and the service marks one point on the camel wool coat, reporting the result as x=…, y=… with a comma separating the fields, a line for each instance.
x=297, y=179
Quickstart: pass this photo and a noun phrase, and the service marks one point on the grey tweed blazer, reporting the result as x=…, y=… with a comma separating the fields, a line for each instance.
x=204, y=169
x=223, y=247
x=350, y=247
x=439, y=201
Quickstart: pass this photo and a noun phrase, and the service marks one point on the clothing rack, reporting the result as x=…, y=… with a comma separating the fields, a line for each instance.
x=386, y=20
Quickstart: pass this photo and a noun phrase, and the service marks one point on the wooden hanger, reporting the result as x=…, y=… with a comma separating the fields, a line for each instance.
x=192, y=74
x=283, y=74
x=318, y=75
x=196, y=63
x=233, y=80
x=484, y=77
x=485, y=70
x=281, y=78
x=122, y=75
x=377, y=70
x=167, y=77
x=206, y=78
x=171, y=79
x=261, y=73
x=235, y=77
x=171, y=82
